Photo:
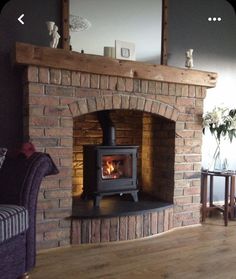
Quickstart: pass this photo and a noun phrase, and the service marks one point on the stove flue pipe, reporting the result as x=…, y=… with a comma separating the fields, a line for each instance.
x=108, y=129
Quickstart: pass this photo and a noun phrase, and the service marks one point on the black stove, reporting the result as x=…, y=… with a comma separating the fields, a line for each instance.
x=109, y=169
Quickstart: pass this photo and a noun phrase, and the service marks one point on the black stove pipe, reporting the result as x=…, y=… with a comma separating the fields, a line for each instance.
x=108, y=129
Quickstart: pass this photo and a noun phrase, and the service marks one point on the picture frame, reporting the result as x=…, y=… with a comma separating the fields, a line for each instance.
x=124, y=50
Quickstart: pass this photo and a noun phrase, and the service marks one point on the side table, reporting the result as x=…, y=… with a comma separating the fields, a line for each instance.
x=228, y=207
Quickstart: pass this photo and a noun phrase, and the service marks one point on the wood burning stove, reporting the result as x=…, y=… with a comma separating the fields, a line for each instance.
x=109, y=168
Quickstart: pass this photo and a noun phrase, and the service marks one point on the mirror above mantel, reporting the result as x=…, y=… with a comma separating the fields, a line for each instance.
x=135, y=21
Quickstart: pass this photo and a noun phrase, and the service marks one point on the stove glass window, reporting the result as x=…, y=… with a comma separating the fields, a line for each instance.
x=117, y=166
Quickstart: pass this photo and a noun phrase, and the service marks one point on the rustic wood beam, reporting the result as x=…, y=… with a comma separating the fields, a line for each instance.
x=65, y=25
x=26, y=54
x=164, y=35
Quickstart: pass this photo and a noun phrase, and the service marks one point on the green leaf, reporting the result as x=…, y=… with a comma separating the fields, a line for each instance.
x=232, y=112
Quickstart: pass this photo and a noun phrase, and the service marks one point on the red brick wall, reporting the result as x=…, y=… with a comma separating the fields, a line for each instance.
x=54, y=98
x=158, y=149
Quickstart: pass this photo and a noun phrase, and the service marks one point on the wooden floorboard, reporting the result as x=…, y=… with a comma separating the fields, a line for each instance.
x=206, y=251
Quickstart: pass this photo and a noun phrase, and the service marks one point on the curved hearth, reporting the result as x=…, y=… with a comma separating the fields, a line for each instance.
x=119, y=219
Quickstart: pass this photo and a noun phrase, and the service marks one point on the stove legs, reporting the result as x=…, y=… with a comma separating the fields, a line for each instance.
x=97, y=198
x=135, y=196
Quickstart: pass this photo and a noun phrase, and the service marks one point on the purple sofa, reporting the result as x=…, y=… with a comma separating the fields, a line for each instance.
x=20, y=180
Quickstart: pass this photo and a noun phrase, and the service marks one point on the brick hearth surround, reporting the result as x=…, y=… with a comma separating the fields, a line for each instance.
x=55, y=97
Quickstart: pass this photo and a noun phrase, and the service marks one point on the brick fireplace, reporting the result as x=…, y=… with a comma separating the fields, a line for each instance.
x=157, y=108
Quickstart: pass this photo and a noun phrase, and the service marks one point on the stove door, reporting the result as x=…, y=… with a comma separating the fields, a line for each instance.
x=116, y=166
x=117, y=169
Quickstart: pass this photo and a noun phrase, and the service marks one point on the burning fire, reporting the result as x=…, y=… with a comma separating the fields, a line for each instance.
x=111, y=170
x=110, y=167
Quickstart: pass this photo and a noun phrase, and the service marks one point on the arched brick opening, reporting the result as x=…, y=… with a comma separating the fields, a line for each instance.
x=155, y=137
x=122, y=101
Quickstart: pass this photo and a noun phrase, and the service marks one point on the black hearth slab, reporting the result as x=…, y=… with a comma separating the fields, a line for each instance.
x=113, y=208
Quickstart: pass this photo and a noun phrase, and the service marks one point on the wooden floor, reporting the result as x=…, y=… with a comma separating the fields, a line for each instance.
x=207, y=251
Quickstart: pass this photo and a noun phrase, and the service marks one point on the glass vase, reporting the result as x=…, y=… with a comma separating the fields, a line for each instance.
x=219, y=162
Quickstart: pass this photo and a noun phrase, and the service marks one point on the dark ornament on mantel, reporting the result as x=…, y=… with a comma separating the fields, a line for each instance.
x=233, y=3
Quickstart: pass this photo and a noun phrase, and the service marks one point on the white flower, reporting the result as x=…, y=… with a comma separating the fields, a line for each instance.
x=221, y=122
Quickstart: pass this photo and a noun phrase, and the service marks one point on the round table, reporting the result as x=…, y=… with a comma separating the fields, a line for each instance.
x=229, y=193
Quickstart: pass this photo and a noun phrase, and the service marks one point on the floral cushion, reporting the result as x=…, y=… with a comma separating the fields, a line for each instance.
x=3, y=152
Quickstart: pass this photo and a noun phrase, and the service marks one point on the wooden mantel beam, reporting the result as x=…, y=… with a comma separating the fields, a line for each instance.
x=26, y=54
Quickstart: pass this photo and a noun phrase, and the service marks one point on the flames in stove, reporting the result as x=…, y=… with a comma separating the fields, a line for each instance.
x=111, y=169
x=116, y=166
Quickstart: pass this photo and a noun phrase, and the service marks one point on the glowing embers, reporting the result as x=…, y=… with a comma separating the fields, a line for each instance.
x=117, y=166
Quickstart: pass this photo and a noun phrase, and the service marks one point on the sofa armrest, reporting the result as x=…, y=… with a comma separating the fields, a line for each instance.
x=20, y=177
x=20, y=180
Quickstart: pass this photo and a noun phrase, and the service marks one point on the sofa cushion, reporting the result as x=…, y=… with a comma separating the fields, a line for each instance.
x=13, y=221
